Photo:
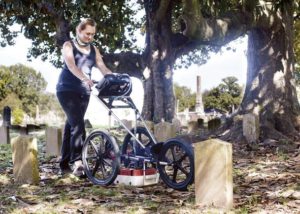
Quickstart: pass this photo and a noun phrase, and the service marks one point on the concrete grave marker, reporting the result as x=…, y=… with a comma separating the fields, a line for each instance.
x=213, y=174
x=193, y=127
x=148, y=123
x=214, y=123
x=4, y=135
x=251, y=127
x=25, y=160
x=127, y=123
x=164, y=131
x=176, y=122
x=53, y=141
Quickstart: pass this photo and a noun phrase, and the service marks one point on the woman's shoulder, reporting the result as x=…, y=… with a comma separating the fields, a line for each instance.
x=68, y=44
x=96, y=50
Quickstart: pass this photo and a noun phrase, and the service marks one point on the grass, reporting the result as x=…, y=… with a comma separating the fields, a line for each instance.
x=5, y=156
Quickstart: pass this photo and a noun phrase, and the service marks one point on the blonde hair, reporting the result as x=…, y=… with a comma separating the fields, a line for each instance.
x=84, y=22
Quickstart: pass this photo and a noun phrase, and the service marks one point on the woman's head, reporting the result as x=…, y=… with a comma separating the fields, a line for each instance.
x=85, y=31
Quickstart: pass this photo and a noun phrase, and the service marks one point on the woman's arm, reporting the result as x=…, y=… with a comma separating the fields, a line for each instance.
x=100, y=64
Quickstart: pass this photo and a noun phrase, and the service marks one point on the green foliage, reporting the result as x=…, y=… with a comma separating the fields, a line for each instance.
x=18, y=116
x=23, y=88
x=48, y=102
x=225, y=96
x=40, y=20
x=12, y=100
x=5, y=82
x=118, y=23
x=185, y=97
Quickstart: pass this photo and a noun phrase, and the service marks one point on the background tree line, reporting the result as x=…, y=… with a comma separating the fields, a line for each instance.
x=23, y=89
x=226, y=96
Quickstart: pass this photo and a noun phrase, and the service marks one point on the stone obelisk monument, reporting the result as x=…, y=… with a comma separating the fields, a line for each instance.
x=199, y=104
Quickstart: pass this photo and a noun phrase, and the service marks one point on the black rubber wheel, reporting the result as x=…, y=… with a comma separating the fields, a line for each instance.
x=131, y=148
x=101, y=158
x=176, y=164
x=129, y=142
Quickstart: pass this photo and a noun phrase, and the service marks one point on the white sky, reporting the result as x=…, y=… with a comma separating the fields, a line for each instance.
x=219, y=66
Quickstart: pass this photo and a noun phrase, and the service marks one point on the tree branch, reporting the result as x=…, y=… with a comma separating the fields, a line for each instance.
x=163, y=8
x=62, y=25
x=215, y=31
x=126, y=62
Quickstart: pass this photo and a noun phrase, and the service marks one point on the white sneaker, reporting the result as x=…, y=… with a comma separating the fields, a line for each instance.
x=78, y=169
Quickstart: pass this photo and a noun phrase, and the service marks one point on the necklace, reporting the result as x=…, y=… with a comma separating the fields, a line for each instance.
x=80, y=43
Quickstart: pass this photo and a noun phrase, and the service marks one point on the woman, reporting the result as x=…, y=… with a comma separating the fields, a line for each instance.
x=73, y=91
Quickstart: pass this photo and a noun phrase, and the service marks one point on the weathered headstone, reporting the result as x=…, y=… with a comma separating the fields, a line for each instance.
x=149, y=124
x=213, y=173
x=164, y=131
x=214, y=123
x=4, y=135
x=251, y=127
x=25, y=160
x=176, y=122
x=193, y=127
x=6, y=116
x=53, y=141
x=128, y=123
x=200, y=122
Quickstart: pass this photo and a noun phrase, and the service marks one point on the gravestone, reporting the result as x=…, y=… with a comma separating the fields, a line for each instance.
x=213, y=173
x=251, y=127
x=128, y=123
x=25, y=160
x=7, y=116
x=193, y=127
x=164, y=131
x=149, y=124
x=176, y=122
x=214, y=124
x=4, y=135
x=200, y=122
x=53, y=141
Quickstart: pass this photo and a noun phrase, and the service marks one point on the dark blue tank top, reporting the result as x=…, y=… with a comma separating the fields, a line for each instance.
x=67, y=81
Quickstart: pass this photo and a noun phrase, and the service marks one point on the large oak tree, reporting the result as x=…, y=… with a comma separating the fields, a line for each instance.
x=174, y=29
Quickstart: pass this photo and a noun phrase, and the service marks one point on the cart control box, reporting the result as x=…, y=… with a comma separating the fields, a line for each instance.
x=137, y=177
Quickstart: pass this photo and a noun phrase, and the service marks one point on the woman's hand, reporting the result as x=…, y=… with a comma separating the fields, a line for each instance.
x=88, y=82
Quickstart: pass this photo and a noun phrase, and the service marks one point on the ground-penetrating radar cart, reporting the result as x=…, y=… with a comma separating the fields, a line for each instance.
x=140, y=160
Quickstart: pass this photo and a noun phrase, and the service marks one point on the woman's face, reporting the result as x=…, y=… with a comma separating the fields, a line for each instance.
x=87, y=35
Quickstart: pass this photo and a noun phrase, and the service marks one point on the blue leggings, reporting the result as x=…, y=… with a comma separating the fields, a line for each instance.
x=74, y=105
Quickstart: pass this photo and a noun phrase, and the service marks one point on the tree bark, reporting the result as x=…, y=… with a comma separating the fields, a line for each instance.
x=159, y=101
x=270, y=89
x=62, y=25
x=215, y=30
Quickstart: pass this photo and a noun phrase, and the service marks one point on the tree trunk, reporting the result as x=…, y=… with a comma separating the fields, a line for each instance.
x=270, y=89
x=159, y=100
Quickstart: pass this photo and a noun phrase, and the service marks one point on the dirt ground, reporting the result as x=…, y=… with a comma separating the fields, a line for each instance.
x=266, y=180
